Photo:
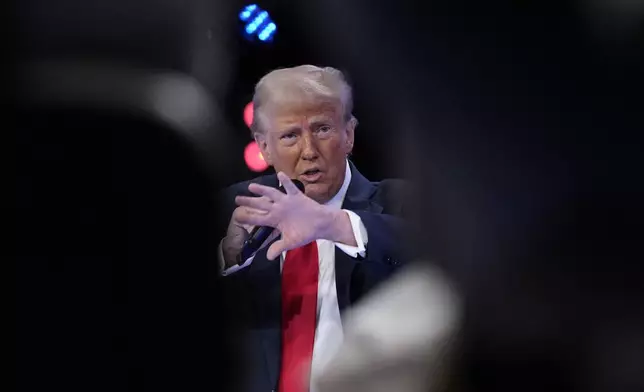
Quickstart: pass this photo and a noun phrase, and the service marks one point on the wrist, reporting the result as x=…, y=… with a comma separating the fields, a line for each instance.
x=337, y=227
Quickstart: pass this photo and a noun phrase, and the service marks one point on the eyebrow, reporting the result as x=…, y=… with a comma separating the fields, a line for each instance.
x=314, y=123
x=320, y=121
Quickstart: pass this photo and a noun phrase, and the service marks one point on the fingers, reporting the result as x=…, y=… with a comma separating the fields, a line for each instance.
x=272, y=193
x=276, y=233
x=280, y=246
x=288, y=185
x=262, y=190
x=251, y=216
x=260, y=203
x=276, y=249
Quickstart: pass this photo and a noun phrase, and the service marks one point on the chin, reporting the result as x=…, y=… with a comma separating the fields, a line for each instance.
x=317, y=192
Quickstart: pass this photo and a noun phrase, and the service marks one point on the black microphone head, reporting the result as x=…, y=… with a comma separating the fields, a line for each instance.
x=297, y=183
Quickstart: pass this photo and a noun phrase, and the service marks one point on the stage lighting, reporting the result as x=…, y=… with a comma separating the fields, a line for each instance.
x=253, y=157
x=257, y=23
x=248, y=114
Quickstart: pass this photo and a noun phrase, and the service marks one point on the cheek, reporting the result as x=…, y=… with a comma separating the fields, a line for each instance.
x=335, y=150
x=284, y=158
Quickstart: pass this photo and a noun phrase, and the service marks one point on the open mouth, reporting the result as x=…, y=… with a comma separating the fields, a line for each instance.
x=311, y=175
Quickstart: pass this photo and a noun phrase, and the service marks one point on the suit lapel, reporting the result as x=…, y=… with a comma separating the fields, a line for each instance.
x=358, y=198
x=360, y=192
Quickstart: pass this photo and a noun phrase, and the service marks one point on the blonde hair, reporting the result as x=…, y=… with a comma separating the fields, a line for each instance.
x=301, y=85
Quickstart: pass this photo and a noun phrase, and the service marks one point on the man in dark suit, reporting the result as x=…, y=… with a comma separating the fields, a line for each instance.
x=335, y=241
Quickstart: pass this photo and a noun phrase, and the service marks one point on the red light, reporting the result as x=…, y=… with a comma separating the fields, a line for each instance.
x=253, y=157
x=248, y=114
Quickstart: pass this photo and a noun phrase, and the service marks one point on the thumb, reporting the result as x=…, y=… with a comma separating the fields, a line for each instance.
x=276, y=249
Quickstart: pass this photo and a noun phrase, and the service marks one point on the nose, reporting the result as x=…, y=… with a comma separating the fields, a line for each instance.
x=309, y=147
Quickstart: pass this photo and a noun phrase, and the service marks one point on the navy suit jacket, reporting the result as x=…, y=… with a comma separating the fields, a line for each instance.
x=255, y=291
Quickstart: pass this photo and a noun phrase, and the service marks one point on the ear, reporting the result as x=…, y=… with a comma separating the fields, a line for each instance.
x=350, y=134
x=263, y=147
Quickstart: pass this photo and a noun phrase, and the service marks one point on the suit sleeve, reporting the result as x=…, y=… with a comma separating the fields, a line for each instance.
x=386, y=244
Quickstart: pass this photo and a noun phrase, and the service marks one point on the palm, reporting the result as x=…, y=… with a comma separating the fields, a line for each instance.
x=297, y=217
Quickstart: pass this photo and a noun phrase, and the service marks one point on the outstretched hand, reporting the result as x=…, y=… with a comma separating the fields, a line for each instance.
x=298, y=218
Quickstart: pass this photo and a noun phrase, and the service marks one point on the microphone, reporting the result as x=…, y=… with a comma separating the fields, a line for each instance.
x=259, y=234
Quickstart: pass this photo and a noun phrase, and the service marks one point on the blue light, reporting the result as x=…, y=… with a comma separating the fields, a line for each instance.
x=247, y=12
x=267, y=32
x=258, y=22
x=250, y=28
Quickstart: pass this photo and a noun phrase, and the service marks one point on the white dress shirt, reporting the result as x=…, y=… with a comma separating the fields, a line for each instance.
x=328, y=327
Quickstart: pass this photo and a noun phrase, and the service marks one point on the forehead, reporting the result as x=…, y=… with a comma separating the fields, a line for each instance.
x=280, y=116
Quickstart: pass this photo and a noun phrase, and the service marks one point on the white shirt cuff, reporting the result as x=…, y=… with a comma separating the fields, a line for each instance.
x=360, y=234
x=222, y=264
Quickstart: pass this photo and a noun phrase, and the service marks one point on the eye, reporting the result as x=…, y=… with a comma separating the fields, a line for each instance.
x=325, y=129
x=288, y=136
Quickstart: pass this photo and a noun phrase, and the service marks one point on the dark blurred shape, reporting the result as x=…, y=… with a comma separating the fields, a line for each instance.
x=115, y=213
x=118, y=150
x=190, y=36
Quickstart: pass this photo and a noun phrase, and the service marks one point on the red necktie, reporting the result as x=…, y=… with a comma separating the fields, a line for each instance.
x=299, y=308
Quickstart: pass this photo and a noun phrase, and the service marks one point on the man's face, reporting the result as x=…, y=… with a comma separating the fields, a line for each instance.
x=309, y=144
